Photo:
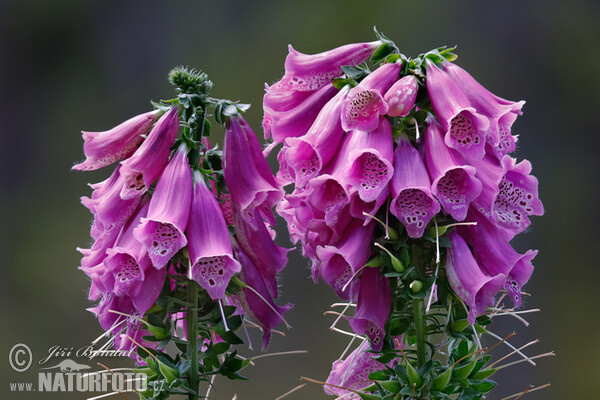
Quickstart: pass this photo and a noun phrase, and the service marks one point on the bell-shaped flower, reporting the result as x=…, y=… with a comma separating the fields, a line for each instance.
x=147, y=163
x=487, y=104
x=412, y=201
x=517, y=196
x=308, y=154
x=507, y=142
x=401, y=97
x=309, y=72
x=162, y=231
x=465, y=129
x=104, y=148
x=110, y=210
x=353, y=372
x=372, y=306
x=209, y=243
x=286, y=119
x=496, y=256
x=510, y=192
x=369, y=167
x=257, y=302
x=454, y=183
x=365, y=102
x=247, y=173
x=339, y=262
x=467, y=279
x=256, y=241
x=132, y=270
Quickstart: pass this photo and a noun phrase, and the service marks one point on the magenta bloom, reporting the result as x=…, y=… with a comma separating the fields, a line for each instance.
x=372, y=306
x=110, y=210
x=308, y=72
x=353, y=372
x=517, y=196
x=247, y=173
x=132, y=270
x=412, y=201
x=510, y=192
x=338, y=263
x=465, y=129
x=263, y=310
x=104, y=148
x=365, y=102
x=496, y=256
x=487, y=104
x=453, y=183
x=369, y=167
x=147, y=163
x=467, y=279
x=256, y=241
x=308, y=154
x=285, y=116
x=161, y=232
x=401, y=97
x=209, y=244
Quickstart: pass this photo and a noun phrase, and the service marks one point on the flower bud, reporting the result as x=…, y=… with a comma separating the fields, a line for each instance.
x=416, y=286
x=401, y=97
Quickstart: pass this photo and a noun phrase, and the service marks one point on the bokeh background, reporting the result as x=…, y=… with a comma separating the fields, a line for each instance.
x=72, y=65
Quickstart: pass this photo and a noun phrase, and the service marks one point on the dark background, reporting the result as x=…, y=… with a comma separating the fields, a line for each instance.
x=72, y=65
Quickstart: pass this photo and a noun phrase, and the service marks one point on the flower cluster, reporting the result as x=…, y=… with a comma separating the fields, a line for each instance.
x=420, y=140
x=174, y=207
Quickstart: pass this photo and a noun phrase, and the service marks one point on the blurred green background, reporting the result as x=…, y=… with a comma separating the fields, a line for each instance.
x=72, y=65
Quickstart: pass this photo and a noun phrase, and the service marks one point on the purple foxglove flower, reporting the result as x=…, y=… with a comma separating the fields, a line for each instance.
x=147, y=163
x=338, y=263
x=285, y=174
x=412, y=201
x=292, y=120
x=102, y=281
x=267, y=315
x=255, y=240
x=328, y=198
x=365, y=102
x=510, y=192
x=109, y=209
x=507, y=142
x=401, y=97
x=309, y=72
x=209, y=244
x=465, y=129
x=372, y=306
x=453, y=183
x=308, y=154
x=467, y=280
x=97, y=252
x=247, y=173
x=161, y=232
x=369, y=167
x=132, y=270
x=496, y=256
x=353, y=372
x=104, y=148
x=486, y=104
x=517, y=196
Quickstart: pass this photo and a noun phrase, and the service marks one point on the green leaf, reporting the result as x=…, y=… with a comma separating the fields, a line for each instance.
x=368, y=396
x=484, y=386
x=464, y=371
x=391, y=386
x=484, y=373
x=355, y=73
x=339, y=83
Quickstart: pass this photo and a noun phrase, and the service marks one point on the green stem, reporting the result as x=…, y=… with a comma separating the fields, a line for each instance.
x=192, y=338
x=420, y=331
